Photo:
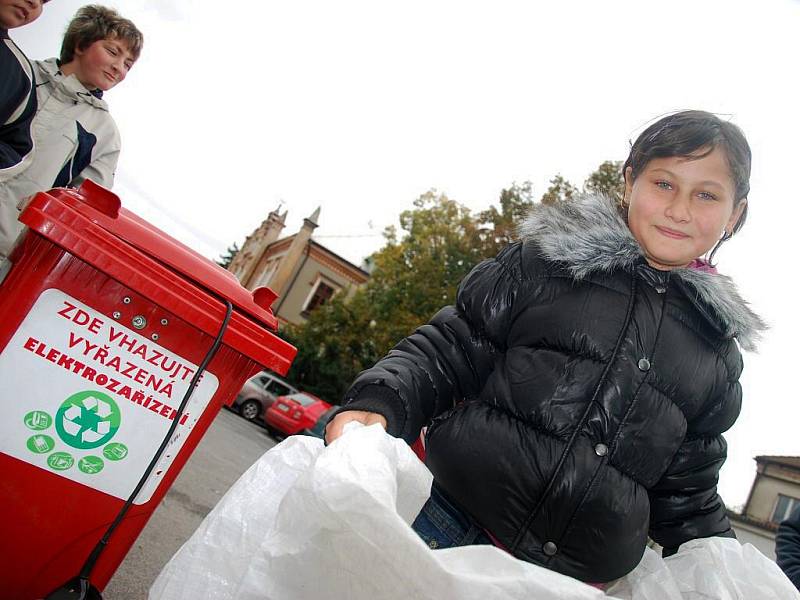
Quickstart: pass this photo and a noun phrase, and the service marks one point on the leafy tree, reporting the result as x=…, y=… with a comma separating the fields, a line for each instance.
x=607, y=179
x=500, y=225
x=560, y=189
x=333, y=346
x=413, y=278
x=227, y=257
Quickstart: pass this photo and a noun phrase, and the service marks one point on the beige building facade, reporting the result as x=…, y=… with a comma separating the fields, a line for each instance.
x=304, y=273
x=773, y=496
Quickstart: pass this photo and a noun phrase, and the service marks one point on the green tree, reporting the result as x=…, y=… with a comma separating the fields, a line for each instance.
x=499, y=226
x=333, y=346
x=227, y=257
x=414, y=276
x=607, y=179
x=560, y=189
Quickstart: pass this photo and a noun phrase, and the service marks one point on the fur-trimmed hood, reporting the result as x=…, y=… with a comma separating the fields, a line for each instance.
x=588, y=234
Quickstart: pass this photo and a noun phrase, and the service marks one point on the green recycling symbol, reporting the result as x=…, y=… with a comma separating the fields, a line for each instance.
x=87, y=419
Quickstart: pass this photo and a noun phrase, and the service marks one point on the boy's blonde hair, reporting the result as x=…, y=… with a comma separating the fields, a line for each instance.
x=94, y=22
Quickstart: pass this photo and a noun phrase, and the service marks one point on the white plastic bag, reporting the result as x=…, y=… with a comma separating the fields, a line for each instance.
x=708, y=569
x=308, y=521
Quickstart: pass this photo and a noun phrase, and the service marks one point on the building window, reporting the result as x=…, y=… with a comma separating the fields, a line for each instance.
x=784, y=508
x=319, y=296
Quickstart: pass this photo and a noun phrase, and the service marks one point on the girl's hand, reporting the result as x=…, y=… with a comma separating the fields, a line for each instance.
x=336, y=425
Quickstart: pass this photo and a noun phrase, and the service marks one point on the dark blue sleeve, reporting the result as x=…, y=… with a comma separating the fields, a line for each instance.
x=17, y=105
x=787, y=547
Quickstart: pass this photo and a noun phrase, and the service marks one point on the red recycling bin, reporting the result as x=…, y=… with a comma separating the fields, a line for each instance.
x=105, y=322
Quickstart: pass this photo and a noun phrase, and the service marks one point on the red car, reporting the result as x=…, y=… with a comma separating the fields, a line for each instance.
x=295, y=412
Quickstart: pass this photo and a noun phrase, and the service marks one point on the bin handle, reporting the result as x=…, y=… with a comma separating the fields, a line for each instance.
x=98, y=197
x=85, y=588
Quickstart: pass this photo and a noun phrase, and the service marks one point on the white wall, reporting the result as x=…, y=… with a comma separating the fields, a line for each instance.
x=763, y=541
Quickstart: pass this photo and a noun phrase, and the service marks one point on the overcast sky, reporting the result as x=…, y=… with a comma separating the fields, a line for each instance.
x=360, y=107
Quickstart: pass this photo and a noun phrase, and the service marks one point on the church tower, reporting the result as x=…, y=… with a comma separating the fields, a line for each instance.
x=245, y=261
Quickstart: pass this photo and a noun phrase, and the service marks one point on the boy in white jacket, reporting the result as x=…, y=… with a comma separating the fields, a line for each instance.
x=74, y=135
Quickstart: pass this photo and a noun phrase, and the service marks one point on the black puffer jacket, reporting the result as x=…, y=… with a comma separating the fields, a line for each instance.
x=577, y=395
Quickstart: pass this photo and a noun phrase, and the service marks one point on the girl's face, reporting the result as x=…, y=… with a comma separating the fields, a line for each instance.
x=678, y=207
x=101, y=65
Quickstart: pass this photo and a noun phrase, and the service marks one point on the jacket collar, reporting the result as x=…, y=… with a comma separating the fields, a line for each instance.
x=588, y=235
x=68, y=86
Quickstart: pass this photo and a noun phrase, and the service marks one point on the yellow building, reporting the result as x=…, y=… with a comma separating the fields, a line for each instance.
x=304, y=273
x=773, y=496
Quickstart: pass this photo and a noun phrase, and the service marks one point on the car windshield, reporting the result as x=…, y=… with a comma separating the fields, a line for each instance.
x=302, y=399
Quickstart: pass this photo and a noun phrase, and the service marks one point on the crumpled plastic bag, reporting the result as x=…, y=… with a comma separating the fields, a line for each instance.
x=309, y=521
x=708, y=569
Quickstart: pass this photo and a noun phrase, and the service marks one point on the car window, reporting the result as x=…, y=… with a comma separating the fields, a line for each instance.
x=302, y=399
x=276, y=388
x=263, y=380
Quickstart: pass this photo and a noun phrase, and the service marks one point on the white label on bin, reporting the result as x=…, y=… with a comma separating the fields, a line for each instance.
x=88, y=399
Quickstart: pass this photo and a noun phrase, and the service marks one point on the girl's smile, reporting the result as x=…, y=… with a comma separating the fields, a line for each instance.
x=672, y=233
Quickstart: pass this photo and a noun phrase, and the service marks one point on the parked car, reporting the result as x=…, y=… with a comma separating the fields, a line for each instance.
x=295, y=412
x=318, y=428
x=258, y=393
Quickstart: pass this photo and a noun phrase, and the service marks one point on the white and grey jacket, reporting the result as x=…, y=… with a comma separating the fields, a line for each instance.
x=75, y=139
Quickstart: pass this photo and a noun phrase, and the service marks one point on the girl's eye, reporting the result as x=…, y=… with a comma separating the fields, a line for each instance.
x=111, y=51
x=707, y=196
x=664, y=185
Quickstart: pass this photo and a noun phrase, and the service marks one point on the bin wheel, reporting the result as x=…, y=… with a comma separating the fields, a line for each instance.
x=250, y=409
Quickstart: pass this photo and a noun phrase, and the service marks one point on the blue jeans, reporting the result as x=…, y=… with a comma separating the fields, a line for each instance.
x=441, y=525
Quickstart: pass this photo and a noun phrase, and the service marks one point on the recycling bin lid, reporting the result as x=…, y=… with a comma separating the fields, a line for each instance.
x=81, y=220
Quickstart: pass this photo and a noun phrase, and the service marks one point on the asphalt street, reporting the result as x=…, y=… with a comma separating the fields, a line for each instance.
x=227, y=450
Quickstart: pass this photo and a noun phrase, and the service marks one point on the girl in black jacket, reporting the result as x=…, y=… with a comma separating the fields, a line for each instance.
x=577, y=392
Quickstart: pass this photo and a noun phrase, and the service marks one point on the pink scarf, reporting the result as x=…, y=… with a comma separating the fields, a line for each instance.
x=702, y=265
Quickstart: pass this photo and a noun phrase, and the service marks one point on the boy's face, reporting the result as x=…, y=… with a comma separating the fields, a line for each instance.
x=16, y=13
x=103, y=64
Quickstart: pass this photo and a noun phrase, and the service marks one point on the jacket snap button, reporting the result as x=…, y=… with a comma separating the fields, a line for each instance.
x=433, y=544
x=550, y=548
x=601, y=449
x=644, y=364
x=660, y=289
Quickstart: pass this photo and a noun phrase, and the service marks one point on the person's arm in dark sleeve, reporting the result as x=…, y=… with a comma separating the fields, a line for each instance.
x=17, y=108
x=684, y=504
x=447, y=360
x=787, y=547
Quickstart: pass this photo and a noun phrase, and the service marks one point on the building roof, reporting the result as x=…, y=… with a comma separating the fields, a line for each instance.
x=786, y=461
x=285, y=242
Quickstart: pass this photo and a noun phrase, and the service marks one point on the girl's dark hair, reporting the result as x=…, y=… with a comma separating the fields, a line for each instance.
x=94, y=22
x=695, y=134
